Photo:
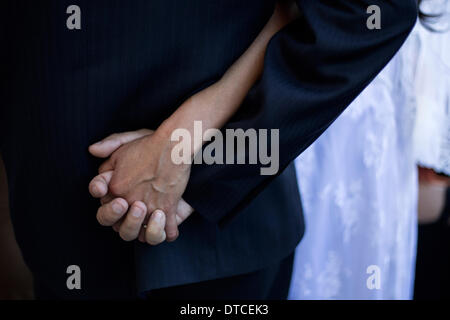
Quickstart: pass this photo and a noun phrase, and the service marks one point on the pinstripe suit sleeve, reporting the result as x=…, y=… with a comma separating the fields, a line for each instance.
x=313, y=70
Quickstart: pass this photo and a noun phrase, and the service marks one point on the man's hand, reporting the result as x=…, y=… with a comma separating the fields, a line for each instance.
x=142, y=174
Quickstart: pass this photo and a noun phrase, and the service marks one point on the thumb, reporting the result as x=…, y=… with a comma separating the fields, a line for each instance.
x=107, y=146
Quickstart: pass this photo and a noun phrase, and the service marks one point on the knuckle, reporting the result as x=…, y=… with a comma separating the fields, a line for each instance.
x=141, y=208
x=101, y=218
x=125, y=233
x=130, y=228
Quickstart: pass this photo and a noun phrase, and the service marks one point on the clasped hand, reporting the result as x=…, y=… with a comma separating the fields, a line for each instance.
x=139, y=187
x=139, y=184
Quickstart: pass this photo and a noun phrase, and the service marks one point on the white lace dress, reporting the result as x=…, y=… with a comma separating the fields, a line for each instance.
x=432, y=123
x=358, y=184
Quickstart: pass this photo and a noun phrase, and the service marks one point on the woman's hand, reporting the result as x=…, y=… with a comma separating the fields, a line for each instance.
x=140, y=176
x=140, y=172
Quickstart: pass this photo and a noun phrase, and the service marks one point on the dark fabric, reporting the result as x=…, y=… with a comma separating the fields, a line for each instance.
x=130, y=67
x=313, y=69
x=433, y=258
x=271, y=283
x=265, y=231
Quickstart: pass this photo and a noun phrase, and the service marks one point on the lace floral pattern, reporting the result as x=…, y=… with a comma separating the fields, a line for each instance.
x=432, y=122
x=358, y=184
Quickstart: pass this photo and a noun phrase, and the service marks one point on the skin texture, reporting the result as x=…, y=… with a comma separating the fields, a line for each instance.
x=139, y=186
x=432, y=189
x=113, y=211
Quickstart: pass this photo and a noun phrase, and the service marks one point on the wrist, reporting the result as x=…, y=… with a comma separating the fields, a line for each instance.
x=165, y=130
x=163, y=138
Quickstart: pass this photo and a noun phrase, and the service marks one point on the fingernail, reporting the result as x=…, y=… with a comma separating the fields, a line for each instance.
x=117, y=208
x=137, y=212
x=159, y=215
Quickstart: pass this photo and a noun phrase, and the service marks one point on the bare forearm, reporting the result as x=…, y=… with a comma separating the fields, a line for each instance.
x=215, y=105
x=243, y=74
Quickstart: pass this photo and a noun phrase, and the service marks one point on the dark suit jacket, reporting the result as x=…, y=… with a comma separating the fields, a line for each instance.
x=129, y=67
